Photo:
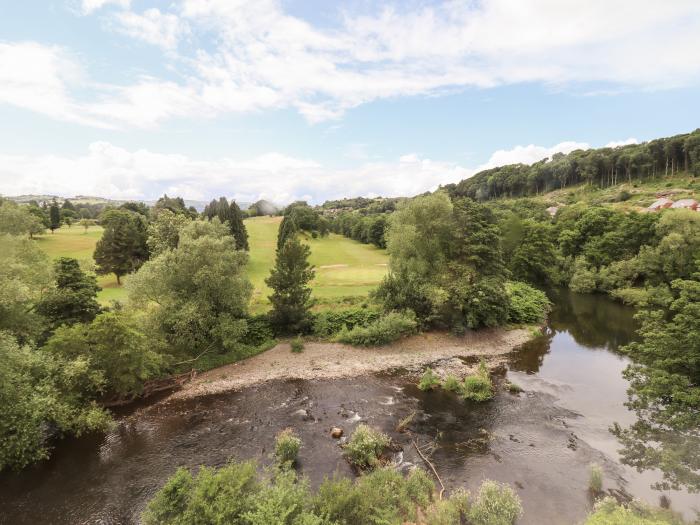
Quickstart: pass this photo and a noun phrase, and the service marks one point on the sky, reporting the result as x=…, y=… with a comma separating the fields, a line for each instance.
x=315, y=100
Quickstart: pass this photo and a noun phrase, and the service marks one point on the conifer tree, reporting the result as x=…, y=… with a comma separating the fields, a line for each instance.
x=54, y=216
x=122, y=248
x=289, y=280
x=288, y=228
x=237, y=227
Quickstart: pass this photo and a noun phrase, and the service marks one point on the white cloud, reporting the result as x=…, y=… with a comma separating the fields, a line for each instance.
x=153, y=27
x=618, y=143
x=249, y=56
x=88, y=6
x=530, y=154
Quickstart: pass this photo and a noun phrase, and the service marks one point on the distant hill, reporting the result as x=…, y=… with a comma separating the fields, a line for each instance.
x=86, y=199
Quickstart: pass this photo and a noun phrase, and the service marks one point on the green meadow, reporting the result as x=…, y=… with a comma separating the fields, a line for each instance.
x=344, y=268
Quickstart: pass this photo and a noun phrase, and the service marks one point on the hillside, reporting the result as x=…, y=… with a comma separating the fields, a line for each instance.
x=87, y=200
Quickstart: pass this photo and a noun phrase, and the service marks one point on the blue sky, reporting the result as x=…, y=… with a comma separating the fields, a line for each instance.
x=318, y=99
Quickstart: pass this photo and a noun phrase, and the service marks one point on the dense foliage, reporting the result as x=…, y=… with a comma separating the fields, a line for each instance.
x=122, y=249
x=232, y=217
x=384, y=330
x=602, y=167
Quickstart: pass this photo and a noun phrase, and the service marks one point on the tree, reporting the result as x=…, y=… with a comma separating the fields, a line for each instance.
x=237, y=227
x=199, y=291
x=40, y=390
x=18, y=220
x=113, y=348
x=164, y=231
x=122, y=248
x=534, y=257
x=25, y=274
x=287, y=230
x=85, y=223
x=289, y=280
x=73, y=300
x=665, y=391
x=54, y=216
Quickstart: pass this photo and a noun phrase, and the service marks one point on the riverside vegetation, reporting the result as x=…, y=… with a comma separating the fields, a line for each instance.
x=469, y=256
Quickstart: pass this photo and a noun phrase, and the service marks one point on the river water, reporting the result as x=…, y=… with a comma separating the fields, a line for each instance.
x=541, y=441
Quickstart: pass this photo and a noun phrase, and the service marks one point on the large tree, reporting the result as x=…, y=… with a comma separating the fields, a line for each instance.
x=54, y=216
x=665, y=391
x=122, y=248
x=198, y=293
x=289, y=280
x=164, y=231
x=231, y=215
x=19, y=220
x=73, y=300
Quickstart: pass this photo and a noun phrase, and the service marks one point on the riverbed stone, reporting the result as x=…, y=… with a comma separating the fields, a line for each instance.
x=336, y=432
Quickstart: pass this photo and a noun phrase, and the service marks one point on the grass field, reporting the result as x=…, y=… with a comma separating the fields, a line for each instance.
x=343, y=267
x=77, y=243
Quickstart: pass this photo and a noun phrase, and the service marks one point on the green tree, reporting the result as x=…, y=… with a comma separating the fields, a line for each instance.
x=25, y=275
x=237, y=227
x=114, y=348
x=38, y=389
x=54, y=216
x=164, y=231
x=199, y=292
x=534, y=257
x=665, y=391
x=287, y=230
x=289, y=280
x=19, y=220
x=122, y=248
x=73, y=300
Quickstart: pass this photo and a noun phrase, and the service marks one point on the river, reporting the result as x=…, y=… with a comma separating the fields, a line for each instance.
x=542, y=441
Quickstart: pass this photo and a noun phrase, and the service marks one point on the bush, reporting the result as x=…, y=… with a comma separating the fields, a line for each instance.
x=526, y=304
x=609, y=512
x=477, y=387
x=384, y=330
x=595, y=480
x=258, y=330
x=451, y=383
x=450, y=511
x=330, y=322
x=297, y=345
x=287, y=445
x=429, y=380
x=496, y=504
x=365, y=447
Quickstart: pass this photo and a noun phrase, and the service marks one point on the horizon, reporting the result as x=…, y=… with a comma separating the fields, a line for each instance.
x=288, y=100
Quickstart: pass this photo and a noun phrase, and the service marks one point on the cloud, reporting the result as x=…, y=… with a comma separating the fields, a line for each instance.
x=251, y=56
x=530, y=154
x=88, y=6
x=160, y=29
x=618, y=143
x=110, y=171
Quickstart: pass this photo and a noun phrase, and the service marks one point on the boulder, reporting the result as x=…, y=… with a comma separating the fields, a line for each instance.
x=336, y=432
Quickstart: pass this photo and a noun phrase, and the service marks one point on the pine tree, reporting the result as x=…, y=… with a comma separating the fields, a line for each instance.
x=237, y=227
x=122, y=248
x=288, y=228
x=54, y=216
x=289, y=279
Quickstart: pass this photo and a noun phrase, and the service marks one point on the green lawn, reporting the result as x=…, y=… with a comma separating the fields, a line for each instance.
x=343, y=267
x=77, y=243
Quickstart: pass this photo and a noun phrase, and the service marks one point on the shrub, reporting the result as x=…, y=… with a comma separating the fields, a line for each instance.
x=595, y=480
x=609, y=512
x=496, y=504
x=297, y=345
x=330, y=322
x=451, y=383
x=478, y=387
x=258, y=330
x=384, y=330
x=526, y=304
x=287, y=445
x=450, y=511
x=365, y=446
x=429, y=380
x=513, y=388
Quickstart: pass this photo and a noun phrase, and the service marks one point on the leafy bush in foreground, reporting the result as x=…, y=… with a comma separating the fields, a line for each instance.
x=237, y=494
x=365, y=446
x=297, y=345
x=287, y=445
x=384, y=330
x=609, y=512
x=496, y=504
x=526, y=304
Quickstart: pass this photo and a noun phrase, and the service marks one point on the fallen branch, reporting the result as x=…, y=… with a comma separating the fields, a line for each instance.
x=432, y=467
